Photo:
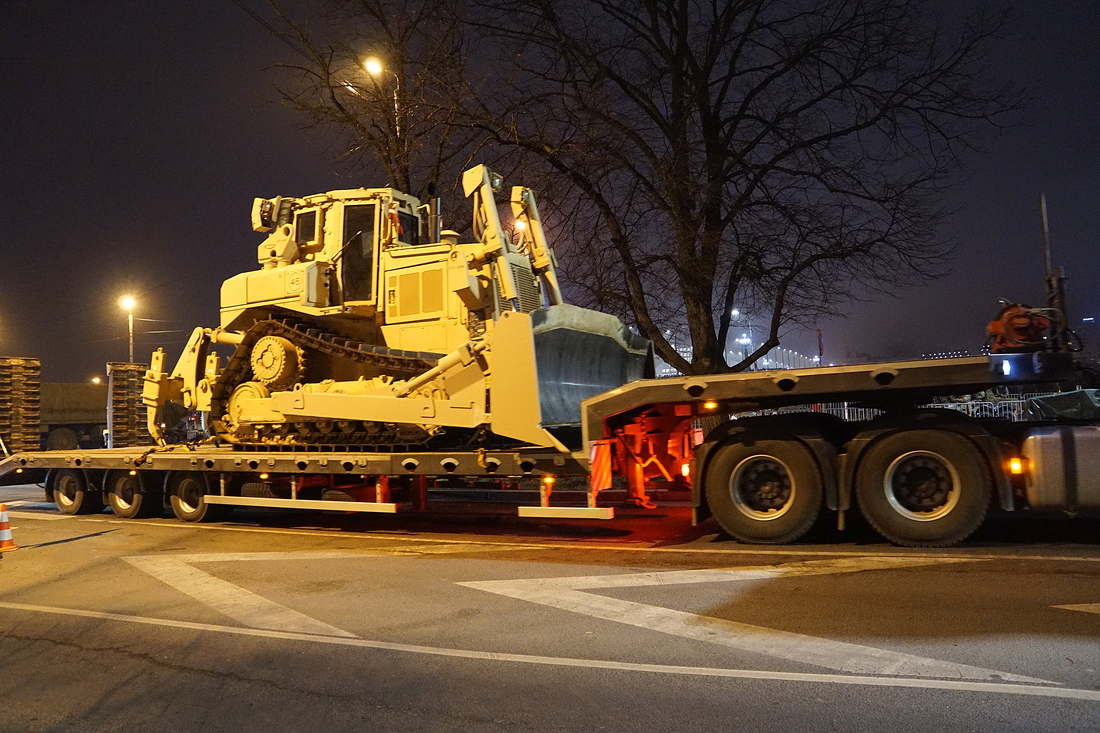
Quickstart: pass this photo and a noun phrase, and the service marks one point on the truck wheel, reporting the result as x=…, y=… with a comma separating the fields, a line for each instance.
x=72, y=494
x=765, y=491
x=62, y=439
x=187, y=491
x=130, y=498
x=924, y=488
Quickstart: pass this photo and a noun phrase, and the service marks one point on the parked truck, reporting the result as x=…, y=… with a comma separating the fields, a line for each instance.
x=373, y=357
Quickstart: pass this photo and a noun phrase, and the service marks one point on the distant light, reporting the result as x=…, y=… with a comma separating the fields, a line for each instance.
x=1006, y=368
x=373, y=66
x=735, y=313
x=127, y=302
x=1090, y=319
x=96, y=380
x=521, y=224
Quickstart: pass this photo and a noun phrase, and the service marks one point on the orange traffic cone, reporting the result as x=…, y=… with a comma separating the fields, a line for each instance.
x=6, y=542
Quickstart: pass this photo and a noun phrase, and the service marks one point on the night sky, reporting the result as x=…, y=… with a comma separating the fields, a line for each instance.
x=135, y=136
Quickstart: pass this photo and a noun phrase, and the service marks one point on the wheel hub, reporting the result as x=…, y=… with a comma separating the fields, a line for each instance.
x=190, y=495
x=922, y=485
x=66, y=487
x=762, y=488
x=124, y=492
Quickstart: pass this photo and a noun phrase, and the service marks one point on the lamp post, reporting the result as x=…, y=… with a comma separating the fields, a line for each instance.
x=745, y=341
x=400, y=152
x=127, y=303
x=375, y=68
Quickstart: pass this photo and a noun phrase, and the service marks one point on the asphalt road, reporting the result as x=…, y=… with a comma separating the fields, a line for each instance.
x=450, y=622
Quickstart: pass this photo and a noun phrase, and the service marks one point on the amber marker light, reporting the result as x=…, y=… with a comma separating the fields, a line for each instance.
x=548, y=480
x=710, y=405
x=1015, y=466
x=263, y=477
x=685, y=470
x=133, y=473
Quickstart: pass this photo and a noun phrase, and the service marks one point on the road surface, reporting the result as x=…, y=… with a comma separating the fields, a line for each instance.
x=309, y=621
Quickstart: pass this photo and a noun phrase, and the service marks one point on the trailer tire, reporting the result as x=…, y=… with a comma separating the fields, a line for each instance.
x=764, y=490
x=187, y=492
x=62, y=438
x=924, y=488
x=72, y=494
x=130, y=497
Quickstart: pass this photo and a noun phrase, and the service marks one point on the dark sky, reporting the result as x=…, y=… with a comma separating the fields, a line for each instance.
x=135, y=136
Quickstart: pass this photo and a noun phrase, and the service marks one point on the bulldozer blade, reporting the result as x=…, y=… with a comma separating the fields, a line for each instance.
x=581, y=353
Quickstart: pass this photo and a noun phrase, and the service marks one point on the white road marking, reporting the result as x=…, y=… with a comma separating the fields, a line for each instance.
x=565, y=593
x=749, y=674
x=37, y=515
x=732, y=550
x=1086, y=607
x=232, y=600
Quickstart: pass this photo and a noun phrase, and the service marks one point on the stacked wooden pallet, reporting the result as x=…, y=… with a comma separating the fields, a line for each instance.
x=20, y=383
x=126, y=416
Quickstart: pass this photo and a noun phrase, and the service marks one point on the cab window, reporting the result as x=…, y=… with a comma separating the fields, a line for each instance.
x=410, y=228
x=305, y=226
x=358, y=253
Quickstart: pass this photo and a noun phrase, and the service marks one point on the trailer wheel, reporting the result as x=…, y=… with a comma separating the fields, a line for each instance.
x=187, y=491
x=765, y=491
x=924, y=488
x=71, y=492
x=131, y=498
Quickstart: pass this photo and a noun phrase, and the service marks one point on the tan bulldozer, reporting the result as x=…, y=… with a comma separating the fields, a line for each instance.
x=367, y=326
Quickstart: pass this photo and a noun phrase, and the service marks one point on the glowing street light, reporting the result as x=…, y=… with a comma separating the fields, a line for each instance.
x=375, y=68
x=127, y=303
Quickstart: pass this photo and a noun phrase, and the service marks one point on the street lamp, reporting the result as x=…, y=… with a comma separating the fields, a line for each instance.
x=375, y=68
x=127, y=303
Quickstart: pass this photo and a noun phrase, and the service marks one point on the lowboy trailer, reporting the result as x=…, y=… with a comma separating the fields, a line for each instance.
x=920, y=476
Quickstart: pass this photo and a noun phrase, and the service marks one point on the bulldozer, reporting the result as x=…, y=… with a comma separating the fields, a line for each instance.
x=368, y=326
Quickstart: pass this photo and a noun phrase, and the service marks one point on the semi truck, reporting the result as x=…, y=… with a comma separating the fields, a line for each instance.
x=374, y=357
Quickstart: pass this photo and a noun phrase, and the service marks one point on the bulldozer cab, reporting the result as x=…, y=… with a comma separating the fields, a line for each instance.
x=366, y=325
x=321, y=255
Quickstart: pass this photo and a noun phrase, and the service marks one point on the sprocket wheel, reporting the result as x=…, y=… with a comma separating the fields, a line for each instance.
x=276, y=362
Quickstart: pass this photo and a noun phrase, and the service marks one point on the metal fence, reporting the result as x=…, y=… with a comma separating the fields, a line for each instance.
x=1014, y=409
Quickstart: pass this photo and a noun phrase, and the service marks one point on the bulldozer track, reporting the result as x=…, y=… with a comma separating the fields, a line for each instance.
x=308, y=339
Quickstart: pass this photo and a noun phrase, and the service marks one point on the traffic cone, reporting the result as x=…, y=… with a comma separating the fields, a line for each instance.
x=6, y=542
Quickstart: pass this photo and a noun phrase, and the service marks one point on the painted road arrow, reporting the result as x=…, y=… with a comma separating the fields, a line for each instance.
x=568, y=594
x=1086, y=607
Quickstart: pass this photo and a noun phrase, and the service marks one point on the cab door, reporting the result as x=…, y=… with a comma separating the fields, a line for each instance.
x=360, y=245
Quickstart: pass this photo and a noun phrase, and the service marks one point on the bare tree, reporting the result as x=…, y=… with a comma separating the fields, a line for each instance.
x=397, y=116
x=769, y=155
x=776, y=157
